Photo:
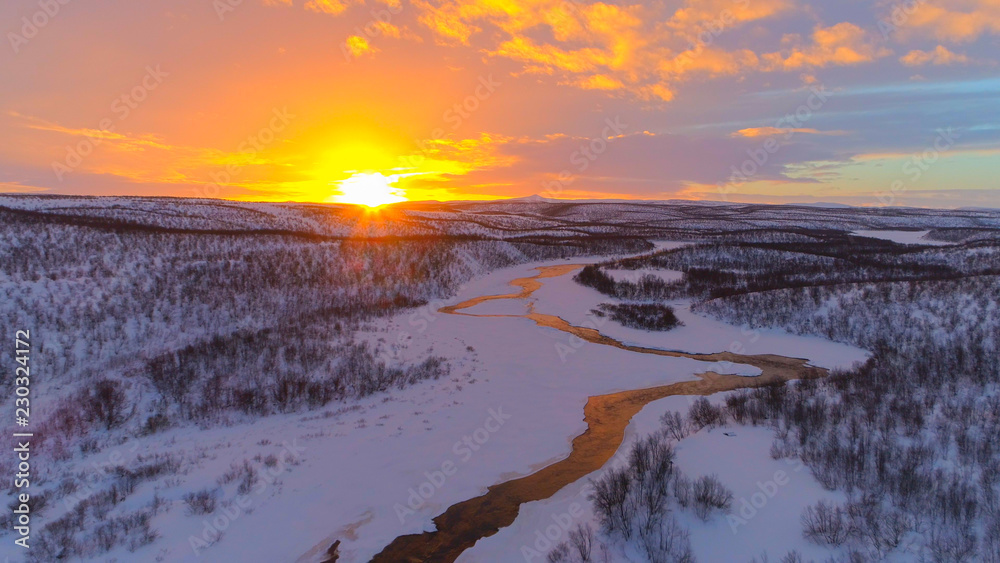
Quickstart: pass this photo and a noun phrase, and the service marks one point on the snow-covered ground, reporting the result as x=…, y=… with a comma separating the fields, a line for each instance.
x=769, y=498
x=522, y=366
x=635, y=275
x=902, y=237
x=367, y=472
x=573, y=302
x=775, y=492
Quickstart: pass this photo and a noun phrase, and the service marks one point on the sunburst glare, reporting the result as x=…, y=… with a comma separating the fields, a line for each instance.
x=372, y=189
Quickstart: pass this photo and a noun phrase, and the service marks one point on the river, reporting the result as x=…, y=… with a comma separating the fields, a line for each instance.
x=606, y=416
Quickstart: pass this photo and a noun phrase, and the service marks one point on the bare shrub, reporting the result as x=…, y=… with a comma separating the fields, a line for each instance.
x=288, y=391
x=636, y=495
x=235, y=471
x=104, y=403
x=138, y=531
x=708, y=494
x=667, y=543
x=737, y=407
x=609, y=496
x=682, y=490
x=673, y=425
x=201, y=502
x=991, y=539
x=559, y=554
x=248, y=480
x=952, y=545
x=825, y=524
x=155, y=423
x=879, y=530
x=578, y=549
x=56, y=541
x=703, y=413
x=168, y=378
x=779, y=450
x=582, y=540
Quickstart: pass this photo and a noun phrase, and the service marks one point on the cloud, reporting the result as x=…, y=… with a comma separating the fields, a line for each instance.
x=97, y=136
x=552, y=57
x=599, y=82
x=332, y=7
x=774, y=131
x=461, y=156
x=955, y=20
x=19, y=188
x=633, y=164
x=840, y=45
x=714, y=16
x=642, y=49
x=709, y=62
x=141, y=158
x=939, y=56
x=359, y=46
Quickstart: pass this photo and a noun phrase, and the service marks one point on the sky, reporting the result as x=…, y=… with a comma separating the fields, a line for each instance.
x=869, y=103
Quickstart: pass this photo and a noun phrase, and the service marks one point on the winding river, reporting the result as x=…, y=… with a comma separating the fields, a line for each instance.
x=607, y=416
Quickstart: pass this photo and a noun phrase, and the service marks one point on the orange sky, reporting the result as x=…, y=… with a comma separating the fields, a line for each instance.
x=746, y=100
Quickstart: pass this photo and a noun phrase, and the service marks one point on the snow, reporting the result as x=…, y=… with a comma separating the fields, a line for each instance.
x=902, y=237
x=635, y=275
x=770, y=496
x=356, y=467
x=776, y=492
x=661, y=245
x=359, y=465
x=573, y=302
x=518, y=369
x=528, y=216
x=499, y=307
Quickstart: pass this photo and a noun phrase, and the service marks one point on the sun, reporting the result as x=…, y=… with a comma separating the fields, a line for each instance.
x=368, y=188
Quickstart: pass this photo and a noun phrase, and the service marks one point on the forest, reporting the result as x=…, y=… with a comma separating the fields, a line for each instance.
x=909, y=436
x=139, y=330
x=151, y=316
x=645, y=316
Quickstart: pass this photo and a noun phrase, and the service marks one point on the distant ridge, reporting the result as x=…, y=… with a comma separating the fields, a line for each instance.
x=823, y=204
x=535, y=198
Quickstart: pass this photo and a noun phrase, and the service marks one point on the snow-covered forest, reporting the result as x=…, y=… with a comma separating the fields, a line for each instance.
x=192, y=334
x=140, y=329
x=910, y=436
